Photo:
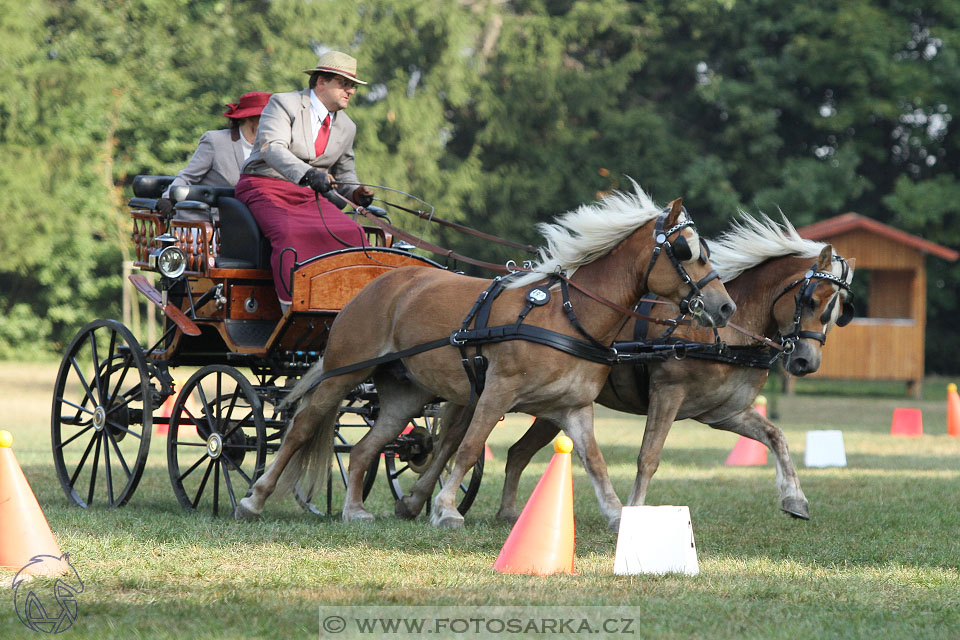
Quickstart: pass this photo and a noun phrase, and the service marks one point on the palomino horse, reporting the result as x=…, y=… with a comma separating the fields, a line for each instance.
x=768, y=271
x=611, y=249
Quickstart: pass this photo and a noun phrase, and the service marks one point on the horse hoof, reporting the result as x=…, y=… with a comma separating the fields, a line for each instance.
x=360, y=515
x=243, y=513
x=448, y=521
x=796, y=508
x=507, y=516
x=614, y=525
x=403, y=509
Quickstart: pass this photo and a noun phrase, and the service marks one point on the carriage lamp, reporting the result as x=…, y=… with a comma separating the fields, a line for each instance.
x=168, y=259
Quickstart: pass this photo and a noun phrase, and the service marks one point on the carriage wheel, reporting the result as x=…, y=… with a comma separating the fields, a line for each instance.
x=413, y=453
x=356, y=417
x=217, y=443
x=102, y=415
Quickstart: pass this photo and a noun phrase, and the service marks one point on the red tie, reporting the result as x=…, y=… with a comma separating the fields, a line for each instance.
x=320, y=144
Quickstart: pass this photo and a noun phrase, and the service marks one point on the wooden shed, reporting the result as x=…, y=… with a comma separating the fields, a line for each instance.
x=885, y=341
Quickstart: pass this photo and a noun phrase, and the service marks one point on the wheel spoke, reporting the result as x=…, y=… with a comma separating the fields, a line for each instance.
x=120, y=427
x=75, y=406
x=238, y=424
x=135, y=394
x=96, y=366
x=123, y=376
x=83, y=381
x=83, y=460
x=93, y=472
x=397, y=473
x=203, y=483
x=205, y=405
x=216, y=488
x=229, y=485
x=109, y=472
x=61, y=445
x=192, y=469
x=238, y=470
x=116, y=448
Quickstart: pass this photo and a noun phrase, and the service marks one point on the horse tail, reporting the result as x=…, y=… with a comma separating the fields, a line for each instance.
x=309, y=380
x=308, y=469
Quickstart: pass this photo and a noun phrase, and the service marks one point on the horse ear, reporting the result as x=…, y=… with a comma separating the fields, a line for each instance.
x=675, y=208
x=826, y=257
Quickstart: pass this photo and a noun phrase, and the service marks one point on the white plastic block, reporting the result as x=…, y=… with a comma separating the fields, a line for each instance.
x=825, y=449
x=656, y=540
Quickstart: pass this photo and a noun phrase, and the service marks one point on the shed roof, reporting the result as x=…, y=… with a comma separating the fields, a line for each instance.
x=831, y=227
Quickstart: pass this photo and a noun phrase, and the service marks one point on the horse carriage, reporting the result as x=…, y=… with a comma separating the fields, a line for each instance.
x=221, y=318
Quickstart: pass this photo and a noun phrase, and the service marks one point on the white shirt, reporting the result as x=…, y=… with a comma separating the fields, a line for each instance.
x=246, y=147
x=319, y=112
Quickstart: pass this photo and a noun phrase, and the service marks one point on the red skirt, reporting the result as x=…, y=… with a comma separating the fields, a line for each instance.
x=287, y=214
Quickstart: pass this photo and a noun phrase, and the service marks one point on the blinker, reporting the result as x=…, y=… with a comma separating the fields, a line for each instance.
x=847, y=311
x=681, y=249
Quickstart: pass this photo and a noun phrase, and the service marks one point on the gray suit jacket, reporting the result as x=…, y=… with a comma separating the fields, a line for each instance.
x=284, y=144
x=216, y=161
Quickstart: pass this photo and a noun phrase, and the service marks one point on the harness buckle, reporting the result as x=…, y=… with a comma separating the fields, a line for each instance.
x=454, y=341
x=695, y=306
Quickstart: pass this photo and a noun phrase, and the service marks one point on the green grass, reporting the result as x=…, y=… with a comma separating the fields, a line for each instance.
x=878, y=559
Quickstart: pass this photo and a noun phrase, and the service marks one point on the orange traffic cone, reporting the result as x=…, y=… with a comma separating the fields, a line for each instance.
x=760, y=405
x=24, y=532
x=166, y=410
x=747, y=453
x=541, y=541
x=487, y=454
x=906, y=422
x=953, y=410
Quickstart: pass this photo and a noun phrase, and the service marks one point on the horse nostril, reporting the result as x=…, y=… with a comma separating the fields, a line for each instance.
x=801, y=365
x=728, y=309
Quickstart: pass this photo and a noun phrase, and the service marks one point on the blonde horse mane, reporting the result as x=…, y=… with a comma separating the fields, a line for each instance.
x=751, y=241
x=589, y=232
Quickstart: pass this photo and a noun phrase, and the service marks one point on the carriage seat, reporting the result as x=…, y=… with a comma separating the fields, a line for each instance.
x=150, y=186
x=242, y=244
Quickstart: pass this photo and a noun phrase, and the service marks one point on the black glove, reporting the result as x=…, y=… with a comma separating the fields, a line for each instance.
x=164, y=206
x=317, y=180
x=363, y=196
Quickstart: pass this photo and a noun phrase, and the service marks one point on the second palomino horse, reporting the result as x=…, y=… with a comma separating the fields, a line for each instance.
x=614, y=251
x=784, y=286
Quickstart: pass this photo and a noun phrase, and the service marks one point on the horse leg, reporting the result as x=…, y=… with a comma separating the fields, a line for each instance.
x=537, y=436
x=493, y=403
x=399, y=402
x=312, y=423
x=578, y=424
x=751, y=424
x=664, y=405
x=454, y=420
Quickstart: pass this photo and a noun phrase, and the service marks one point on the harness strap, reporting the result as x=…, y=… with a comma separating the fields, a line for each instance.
x=530, y=333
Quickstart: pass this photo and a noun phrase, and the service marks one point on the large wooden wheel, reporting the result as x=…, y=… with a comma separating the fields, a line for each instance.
x=217, y=442
x=102, y=415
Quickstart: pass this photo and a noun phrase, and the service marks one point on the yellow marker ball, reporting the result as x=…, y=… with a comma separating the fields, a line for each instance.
x=6, y=439
x=563, y=444
x=951, y=388
x=761, y=400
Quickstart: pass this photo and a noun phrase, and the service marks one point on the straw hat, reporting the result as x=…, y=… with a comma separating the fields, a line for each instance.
x=250, y=105
x=338, y=63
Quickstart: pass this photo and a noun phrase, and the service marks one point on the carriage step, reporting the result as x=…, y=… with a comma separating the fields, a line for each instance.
x=250, y=333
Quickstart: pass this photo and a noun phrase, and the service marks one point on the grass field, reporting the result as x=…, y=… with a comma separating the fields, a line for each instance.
x=878, y=559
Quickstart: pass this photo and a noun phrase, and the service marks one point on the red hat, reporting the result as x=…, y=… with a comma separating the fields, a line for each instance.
x=251, y=104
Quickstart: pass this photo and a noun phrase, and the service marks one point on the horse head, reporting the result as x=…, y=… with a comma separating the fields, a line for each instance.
x=680, y=271
x=821, y=300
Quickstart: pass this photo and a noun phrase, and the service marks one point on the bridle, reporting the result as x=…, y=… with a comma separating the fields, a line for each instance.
x=807, y=285
x=678, y=251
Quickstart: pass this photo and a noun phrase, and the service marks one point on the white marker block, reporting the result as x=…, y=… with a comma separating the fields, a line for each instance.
x=656, y=540
x=825, y=449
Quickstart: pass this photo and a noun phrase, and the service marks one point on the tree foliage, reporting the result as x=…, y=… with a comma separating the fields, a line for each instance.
x=501, y=114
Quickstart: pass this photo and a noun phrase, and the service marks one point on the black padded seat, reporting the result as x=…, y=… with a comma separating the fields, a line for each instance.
x=242, y=245
x=200, y=193
x=151, y=186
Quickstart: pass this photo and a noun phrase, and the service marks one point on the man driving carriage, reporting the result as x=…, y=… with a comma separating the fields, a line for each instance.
x=304, y=146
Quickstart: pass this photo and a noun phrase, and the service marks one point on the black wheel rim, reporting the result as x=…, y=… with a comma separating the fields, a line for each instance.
x=216, y=444
x=102, y=416
x=401, y=474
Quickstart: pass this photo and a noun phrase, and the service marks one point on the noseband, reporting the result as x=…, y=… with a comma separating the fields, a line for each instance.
x=692, y=303
x=808, y=283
